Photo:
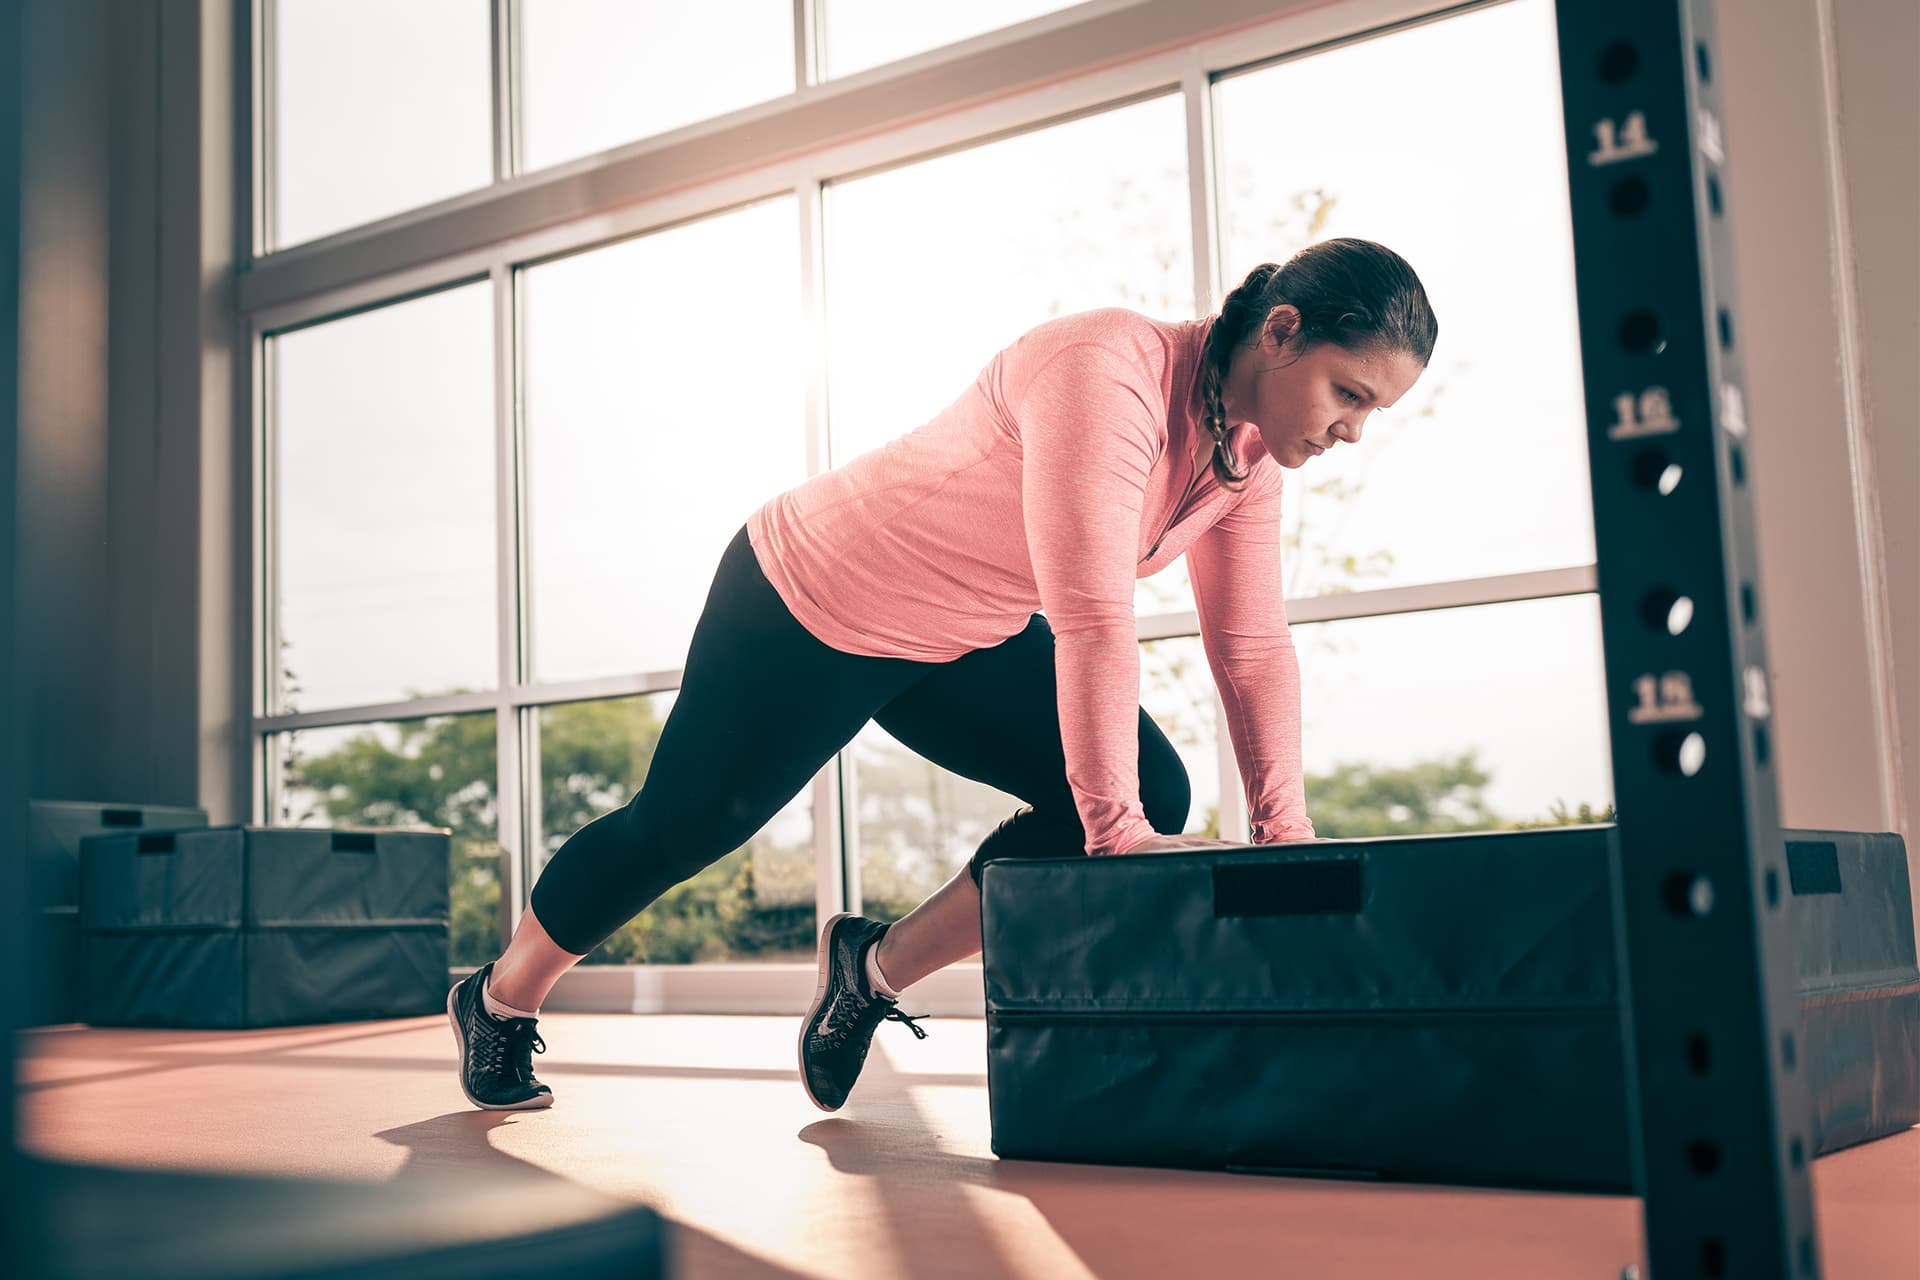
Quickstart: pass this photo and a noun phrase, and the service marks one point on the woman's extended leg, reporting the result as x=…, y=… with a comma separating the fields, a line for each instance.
x=763, y=705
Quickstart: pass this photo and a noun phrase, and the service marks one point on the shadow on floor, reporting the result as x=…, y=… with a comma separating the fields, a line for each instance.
x=456, y=1146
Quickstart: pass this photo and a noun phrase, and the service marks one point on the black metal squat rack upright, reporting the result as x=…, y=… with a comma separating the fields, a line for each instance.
x=1719, y=1108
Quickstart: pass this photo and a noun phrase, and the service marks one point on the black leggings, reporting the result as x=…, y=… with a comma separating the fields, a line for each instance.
x=764, y=705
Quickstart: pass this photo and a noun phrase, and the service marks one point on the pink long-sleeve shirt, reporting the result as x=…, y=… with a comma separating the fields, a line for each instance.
x=1075, y=463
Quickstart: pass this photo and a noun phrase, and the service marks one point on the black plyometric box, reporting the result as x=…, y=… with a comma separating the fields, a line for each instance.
x=243, y=926
x=54, y=831
x=1432, y=1009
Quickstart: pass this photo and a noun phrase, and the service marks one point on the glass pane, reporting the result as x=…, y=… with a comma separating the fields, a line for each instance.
x=1449, y=151
x=755, y=904
x=994, y=241
x=437, y=772
x=1176, y=688
x=1515, y=732
x=599, y=73
x=665, y=401
x=383, y=427
x=865, y=33
x=376, y=108
x=915, y=823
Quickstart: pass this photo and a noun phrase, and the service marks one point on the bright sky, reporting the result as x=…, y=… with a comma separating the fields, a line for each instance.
x=650, y=439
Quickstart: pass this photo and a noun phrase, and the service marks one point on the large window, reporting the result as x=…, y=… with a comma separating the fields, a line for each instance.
x=382, y=514
x=491, y=639
x=1459, y=719
x=933, y=267
x=1407, y=140
x=859, y=34
x=373, y=108
x=598, y=73
x=664, y=402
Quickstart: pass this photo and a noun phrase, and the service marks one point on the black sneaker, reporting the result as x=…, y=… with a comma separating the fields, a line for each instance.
x=846, y=1009
x=496, y=1054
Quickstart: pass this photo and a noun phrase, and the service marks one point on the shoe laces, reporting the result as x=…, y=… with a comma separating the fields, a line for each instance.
x=911, y=1019
x=862, y=1014
x=513, y=1043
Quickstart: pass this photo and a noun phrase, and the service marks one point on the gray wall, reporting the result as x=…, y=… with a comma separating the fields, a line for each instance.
x=18, y=1217
x=126, y=283
x=1877, y=43
x=1822, y=117
x=133, y=454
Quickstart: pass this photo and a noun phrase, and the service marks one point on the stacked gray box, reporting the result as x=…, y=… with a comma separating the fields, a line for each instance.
x=243, y=926
x=54, y=831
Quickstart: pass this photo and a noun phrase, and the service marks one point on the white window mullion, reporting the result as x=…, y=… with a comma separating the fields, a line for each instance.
x=265, y=628
x=829, y=846
x=501, y=96
x=1196, y=85
x=515, y=852
x=808, y=49
x=1234, y=822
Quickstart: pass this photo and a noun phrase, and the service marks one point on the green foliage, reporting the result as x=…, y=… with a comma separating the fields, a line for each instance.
x=1429, y=797
x=1558, y=815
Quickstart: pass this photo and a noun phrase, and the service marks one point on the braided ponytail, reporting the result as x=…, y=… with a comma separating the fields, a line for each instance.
x=1354, y=292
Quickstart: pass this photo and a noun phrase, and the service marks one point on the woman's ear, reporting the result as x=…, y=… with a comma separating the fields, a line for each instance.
x=1281, y=324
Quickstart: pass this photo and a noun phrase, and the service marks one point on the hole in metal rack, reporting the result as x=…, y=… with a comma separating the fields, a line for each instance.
x=1666, y=610
x=1703, y=1156
x=1653, y=469
x=1630, y=196
x=1713, y=195
x=1737, y=465
x=1726, y=329
x=1713, y=1257
x=1748, y=610
x=1684, y=754
x=1761, y=747
x=1619, y=62
x=1773, y=889
x=1787, y=1056
x=1640, y=331
x=1703, y=62
x=1699, y=1054
x=1689, y=894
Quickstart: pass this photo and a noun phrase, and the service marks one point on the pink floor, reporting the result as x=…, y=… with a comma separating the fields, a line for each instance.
x=703, y=1119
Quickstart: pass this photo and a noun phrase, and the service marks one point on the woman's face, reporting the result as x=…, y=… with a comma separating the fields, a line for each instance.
x=1303, y=404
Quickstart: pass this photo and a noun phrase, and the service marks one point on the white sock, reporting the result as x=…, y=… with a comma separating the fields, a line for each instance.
x=877, y=978
x=499, y=1008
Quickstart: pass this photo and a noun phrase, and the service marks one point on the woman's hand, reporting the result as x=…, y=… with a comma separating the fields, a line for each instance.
x=1179, y=844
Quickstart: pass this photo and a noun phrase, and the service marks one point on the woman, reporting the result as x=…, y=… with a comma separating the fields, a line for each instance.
x=903, y=587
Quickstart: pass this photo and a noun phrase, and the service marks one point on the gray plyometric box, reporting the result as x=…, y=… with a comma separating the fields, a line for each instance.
x=1434, y=1008
x=56, y=827
x=243, y=926
x=54, y=831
